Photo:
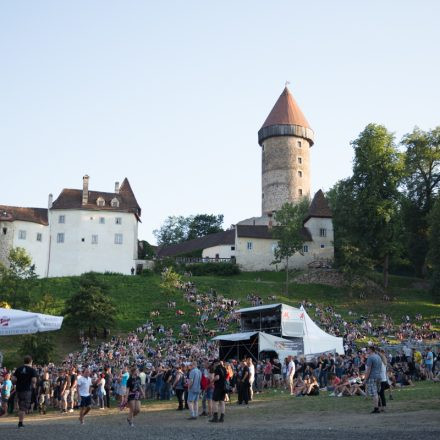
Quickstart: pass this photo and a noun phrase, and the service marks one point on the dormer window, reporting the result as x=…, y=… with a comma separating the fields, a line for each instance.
x=100, y=201
x=115, y=203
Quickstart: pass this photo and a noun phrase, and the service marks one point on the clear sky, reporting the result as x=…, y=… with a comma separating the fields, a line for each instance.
x=171, y=94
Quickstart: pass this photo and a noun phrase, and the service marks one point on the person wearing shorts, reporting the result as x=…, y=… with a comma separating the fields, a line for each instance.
x=133, y=395
x=25, y=378
x=219, y=393
x=194, y=388
x=373, y=377
x=84, y=384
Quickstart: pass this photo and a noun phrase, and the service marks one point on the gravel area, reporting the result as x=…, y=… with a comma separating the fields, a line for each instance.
x=240, y=423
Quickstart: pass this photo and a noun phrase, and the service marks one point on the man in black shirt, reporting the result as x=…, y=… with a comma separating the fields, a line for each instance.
x=219, y=392
x=25, y=378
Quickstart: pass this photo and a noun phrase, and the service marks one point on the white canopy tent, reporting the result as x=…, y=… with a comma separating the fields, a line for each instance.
x=294, y=323
x=18, y=322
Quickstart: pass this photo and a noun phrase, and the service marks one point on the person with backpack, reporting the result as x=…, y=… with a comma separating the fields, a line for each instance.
x=179, y=386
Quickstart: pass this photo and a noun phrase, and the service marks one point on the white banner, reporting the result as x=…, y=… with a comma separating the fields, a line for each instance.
x=18, y=322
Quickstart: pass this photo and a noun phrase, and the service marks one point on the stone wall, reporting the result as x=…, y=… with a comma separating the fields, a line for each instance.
x=281, y=180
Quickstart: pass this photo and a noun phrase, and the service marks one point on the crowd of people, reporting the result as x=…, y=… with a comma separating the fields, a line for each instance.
x=162, y=363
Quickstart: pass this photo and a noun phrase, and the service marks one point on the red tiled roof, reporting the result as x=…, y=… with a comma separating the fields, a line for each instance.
x=33, y=215
x=72, y=199
x=319, y=207
x=263, y=231
x=286, y=112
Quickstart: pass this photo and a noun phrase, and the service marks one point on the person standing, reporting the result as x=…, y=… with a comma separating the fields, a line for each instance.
x=6, y=389
x=44, y=393
x=179, y=386
x=195, y=377
x=108, y=385
x=73, y=385
x=219, y=392
x=243, y=394
x=251, y=367
x=25, y=378
x=429, y=362
x=290, y=374
x=84, y=383
x=133, y=395
x=373, y=377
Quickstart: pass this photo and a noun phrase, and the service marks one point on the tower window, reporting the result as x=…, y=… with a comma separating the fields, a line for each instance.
x=305, y=248
x=5, y=231
x=322, y=246
x=22, y=235
x=323, y=232
x=300, y=173
x=102, y=220
x=94, y=239
x=249, y=245
x=39, y=236
x=118, y=238
x=118, y=220
x=299, y=144
x=60, y=237
x=300, y=161
x=62, y=219
x=300, y=192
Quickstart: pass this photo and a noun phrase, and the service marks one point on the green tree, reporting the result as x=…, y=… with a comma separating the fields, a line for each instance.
x=377, y=174
x=40, y=346
x=288, y=230
x=204, y=224
x=146, y=251
x=421, y=184
x=170, y=280
x=177, y=229
x=434, y=248
x=17, y=279
x=90, y=308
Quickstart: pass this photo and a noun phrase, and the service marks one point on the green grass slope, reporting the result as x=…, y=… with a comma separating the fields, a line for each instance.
x=136, y=296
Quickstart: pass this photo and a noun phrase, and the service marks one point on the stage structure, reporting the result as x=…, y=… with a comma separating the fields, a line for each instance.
x=277, y=330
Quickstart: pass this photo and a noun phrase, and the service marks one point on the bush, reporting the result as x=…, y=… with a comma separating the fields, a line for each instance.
x=146, y=273
x=162, y=264
x=223, y=269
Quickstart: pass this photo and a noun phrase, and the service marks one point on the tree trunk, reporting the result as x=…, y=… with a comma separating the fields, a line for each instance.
x=287, y=276
x=386, y=264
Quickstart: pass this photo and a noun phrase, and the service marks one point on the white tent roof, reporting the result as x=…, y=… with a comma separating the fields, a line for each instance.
x=235, y=336
x=18, y=322
x=317, y=340
x=256, y=308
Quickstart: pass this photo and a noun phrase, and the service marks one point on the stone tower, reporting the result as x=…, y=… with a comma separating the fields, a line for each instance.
x=285, y=139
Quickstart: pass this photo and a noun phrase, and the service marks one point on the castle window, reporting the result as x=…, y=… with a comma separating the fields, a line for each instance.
x=61, y=219
x=232, y=248
x=300, y=173
x=60, y=237
x=299, y=144
x=118, y=238
x=118, y=220
x=22, y=235
x=305, y=249
x=323, y=232
x=39, y=236
x=300, y=161
x=94, y=239
x=100, y=201
x=300, y=192
x=322, y=246
x=5, y=230
x=115, y=203
x=101, y=220
x=249, y=245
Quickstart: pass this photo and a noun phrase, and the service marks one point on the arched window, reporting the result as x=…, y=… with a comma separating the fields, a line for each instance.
x=115, y=203
x=100, y=201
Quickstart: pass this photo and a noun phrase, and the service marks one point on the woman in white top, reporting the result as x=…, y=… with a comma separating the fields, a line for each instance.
x=383, y=380
x=101, y=391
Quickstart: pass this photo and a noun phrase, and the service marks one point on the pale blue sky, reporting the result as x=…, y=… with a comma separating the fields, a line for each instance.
x=172, y=94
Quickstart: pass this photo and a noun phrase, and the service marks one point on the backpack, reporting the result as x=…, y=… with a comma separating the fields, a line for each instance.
x=204, y=382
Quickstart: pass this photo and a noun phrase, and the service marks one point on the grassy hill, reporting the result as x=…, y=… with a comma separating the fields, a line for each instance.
x=136, y=296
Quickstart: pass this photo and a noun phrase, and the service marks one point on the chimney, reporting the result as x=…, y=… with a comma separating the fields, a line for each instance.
x=50, y=201
x=85, y=195
x=117, y=187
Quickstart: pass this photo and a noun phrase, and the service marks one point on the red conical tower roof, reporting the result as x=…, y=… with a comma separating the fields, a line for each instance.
x=286, y=119
x=286, y=112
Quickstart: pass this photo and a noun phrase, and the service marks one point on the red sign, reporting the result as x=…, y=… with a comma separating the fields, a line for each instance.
x=4, y=322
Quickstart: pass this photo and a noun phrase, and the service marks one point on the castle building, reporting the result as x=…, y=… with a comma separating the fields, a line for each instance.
x=81, y=231
x=285, y=139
